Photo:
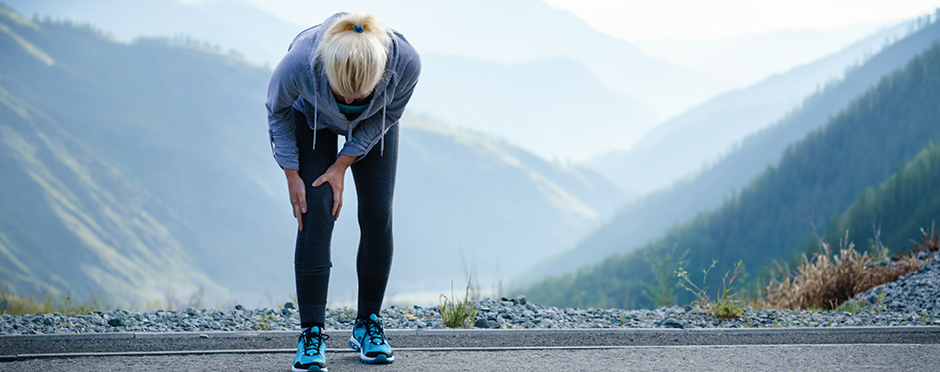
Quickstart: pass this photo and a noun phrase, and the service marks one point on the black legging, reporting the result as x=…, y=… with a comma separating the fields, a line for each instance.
x=375, y=184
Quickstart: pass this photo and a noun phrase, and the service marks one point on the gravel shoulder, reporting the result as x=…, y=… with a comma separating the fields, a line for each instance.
x=912, y=300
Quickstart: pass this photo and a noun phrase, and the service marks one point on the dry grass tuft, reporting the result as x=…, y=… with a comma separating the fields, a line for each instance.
x=928, y=245
x=825, y=282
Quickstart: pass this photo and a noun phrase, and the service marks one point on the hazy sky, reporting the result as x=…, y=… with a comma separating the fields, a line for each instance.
x=643, y=20
x=694, y=19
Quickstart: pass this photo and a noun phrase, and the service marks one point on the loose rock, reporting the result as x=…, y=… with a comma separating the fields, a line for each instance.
x=913, y=299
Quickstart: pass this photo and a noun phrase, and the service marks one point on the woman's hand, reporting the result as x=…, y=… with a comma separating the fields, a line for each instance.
x=335, y=176
x=298, y=195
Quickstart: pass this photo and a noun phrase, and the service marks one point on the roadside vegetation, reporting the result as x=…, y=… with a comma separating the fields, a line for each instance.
x=69, y=304
x=664, y=269
x=828, y=280
x=724, y=305
x=65, y=304
x=814, y=183
x=456, y=313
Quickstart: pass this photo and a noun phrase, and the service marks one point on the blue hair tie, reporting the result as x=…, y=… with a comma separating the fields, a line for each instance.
x=358, y=29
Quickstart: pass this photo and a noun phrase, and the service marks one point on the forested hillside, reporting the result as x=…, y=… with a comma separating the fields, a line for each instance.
x=899, y=208
x=648, y=218
x=818, y=177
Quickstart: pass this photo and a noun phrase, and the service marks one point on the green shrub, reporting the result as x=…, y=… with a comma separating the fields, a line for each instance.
x=265, y=323
x=456, y=313
x=724, y=306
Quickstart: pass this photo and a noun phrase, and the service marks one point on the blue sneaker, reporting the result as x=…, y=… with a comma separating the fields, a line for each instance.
x=368, y=339
x=310, y=351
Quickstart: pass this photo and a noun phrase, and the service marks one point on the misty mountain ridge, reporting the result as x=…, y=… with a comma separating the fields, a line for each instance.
x=501, y=98
x=182, y=130
x=884, y=131
x=231, y=25
x=71, y=221
x=503, y=47
x=59, y=194
x=273, y=188
x=716, y=126
x=526, y=30
x=570, y=116
x=649, y=216
x=503, y=206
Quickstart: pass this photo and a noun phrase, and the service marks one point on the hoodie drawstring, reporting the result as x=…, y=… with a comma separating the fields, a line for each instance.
x=384, y=104
x=315, y=124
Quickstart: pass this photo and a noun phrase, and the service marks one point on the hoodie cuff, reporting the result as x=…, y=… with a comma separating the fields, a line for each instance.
x=352, y=150
x=288, y=163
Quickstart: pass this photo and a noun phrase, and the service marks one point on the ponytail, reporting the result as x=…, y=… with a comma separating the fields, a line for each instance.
x=354, y=51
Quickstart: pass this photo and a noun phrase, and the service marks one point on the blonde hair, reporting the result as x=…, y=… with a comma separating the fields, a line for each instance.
x=354, y=51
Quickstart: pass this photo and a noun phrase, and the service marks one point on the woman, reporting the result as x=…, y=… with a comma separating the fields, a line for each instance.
x=348, y=76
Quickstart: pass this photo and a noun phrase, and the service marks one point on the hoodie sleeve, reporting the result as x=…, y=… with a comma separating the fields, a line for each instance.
x=283, y=90
x=369, y=132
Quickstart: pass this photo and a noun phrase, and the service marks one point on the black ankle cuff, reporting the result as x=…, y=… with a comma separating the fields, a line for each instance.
x=366, y=316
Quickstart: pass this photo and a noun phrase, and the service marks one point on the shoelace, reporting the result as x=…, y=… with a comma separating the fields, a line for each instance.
x=374, y=331
x=308, y=337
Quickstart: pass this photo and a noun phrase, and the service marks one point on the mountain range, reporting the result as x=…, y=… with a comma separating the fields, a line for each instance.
x=501, y=58
x=176, y=120
x=569, y=116
x=176, y=131
x=714, y=127
x=777, y=215
x=509, y=62
x=650, y=216
x=523, y=31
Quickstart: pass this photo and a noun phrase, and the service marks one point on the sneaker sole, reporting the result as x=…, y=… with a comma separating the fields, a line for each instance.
x=381, y=359
x=311, y=369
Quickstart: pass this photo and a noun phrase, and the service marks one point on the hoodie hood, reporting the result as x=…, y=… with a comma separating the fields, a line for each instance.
x=299, y=82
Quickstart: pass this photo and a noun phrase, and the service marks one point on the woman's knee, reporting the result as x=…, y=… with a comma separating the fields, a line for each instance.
x=319, y=201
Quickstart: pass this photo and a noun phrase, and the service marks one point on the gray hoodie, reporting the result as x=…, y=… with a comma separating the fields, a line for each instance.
x=299, y=82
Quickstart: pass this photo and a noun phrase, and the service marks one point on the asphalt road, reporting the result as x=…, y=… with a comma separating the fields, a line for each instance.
x=866, y=357
x=797, y=349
